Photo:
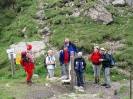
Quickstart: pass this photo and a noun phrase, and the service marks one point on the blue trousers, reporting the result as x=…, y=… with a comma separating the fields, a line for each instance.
x=80, y=81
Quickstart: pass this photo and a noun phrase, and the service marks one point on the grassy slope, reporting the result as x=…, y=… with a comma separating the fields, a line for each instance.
x=81, y=29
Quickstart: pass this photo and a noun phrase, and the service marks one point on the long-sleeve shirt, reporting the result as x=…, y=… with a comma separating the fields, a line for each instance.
x=50, y=59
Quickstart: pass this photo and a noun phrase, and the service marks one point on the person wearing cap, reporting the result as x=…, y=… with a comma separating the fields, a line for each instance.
x=64, y=59
x=29, y=64
x=71, y=46
x=79, y=67
x=94, y=58
x=51, y=64
x=105, y=67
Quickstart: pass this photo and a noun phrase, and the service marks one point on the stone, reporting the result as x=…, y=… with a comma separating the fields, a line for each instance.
x=104, y=2
x=129, y=2
x=119, y=3
x=37, y=47
x=99, y=13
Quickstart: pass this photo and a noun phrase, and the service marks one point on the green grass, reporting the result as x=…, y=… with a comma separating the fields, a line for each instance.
x=123, y=89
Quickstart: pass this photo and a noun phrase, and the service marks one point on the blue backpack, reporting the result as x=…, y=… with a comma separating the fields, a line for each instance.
x=112, y=61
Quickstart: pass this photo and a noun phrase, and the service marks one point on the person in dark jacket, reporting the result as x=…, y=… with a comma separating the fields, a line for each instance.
x=94, y=58
x=64, y=58
x=71, y=46
x=106, y=67
x=79, y=66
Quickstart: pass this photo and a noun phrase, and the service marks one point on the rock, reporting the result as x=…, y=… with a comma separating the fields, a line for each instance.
x=129, y=2
x=82, y=1
x=35, y=76
x=99, y=13
x=69, y=4
x=37, y=47
x=119, y=3
x=76, y=13
x=105, y=2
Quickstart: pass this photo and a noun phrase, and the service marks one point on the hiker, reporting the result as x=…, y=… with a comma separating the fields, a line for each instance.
x=105, y=67
x=64, y=58
x=71, y=46
x=50, y=61
x=79, y=67
x=28, y=64
x=94, y=58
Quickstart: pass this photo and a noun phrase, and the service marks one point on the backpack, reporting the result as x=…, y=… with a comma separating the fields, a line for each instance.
x=23, y=58
x=112, y=61
x=45, y=65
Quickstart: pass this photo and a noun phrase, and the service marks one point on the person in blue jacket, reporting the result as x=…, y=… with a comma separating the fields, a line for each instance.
x=64, y=58
x=79, y=66
x=71, y=46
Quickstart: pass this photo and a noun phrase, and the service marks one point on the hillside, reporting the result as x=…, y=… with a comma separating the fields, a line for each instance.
x=21, y=22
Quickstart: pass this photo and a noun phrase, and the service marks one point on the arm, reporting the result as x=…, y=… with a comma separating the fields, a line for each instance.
x=84, y=64
x=106, y=57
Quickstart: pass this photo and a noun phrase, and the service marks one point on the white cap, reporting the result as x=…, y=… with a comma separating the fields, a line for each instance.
x=102, y=49
x=79, y=53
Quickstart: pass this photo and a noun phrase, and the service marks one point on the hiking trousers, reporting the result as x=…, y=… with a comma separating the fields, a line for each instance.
x=80, y=81
x=50, y=73
x=96, y=69
x=29, y=75
x=65, y=70
x=106, y=72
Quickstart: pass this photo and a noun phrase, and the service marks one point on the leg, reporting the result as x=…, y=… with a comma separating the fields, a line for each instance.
x=29, y=75
x=105, y=81
x=98, y=73
x=67, y=69
x=94, y=69
x=107, y=75
x=50, y=73
x=63, y=70
x=78, y=79
x=81, y=79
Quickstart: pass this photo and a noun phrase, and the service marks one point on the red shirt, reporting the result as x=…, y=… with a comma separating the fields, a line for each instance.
x=95, y=56
x=66, y=58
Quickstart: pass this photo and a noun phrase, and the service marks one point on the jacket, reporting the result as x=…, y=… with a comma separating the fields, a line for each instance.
x=106, y=60
x=94, y=58
x=78, y=63
x=72, y=47
x=62, y=56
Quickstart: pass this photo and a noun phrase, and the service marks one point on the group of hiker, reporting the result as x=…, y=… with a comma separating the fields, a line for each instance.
x=99, y=58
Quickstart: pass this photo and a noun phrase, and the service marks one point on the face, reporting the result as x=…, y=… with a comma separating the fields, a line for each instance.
x=101, y=52
x=65, y=48
x=79, y=56
x=67, y=41
x=95, y=50
x=50, y=53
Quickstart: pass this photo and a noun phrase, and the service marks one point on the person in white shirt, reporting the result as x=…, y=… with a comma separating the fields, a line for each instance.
x=51, y=64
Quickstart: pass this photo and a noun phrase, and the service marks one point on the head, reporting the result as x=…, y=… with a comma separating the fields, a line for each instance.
x=65, y=48
x=67, y=41
x=79, y=54
x=50, y=52
x=102, y=50
x=29, y=47
x=96, y=48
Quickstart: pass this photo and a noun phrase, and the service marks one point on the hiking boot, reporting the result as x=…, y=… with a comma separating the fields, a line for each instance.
x=98, y=81
x=108, y=86
x=95, y=82
x=104, y=84
x=29, y=83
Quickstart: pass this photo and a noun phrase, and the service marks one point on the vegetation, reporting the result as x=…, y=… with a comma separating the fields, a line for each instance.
x=83, y=31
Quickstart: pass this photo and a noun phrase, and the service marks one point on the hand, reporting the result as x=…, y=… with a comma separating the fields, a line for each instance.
x=82, y=67
x=100, y=60
x=75, y=67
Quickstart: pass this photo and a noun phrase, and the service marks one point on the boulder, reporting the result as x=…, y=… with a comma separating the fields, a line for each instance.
x=99, y=13
x=129, y=2
x=105, y=2
x=119, y=3
x=37, y=47
x=82, y=1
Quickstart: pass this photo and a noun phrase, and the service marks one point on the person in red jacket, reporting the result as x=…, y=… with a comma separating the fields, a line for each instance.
x=28, y=64
x=94, y=58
